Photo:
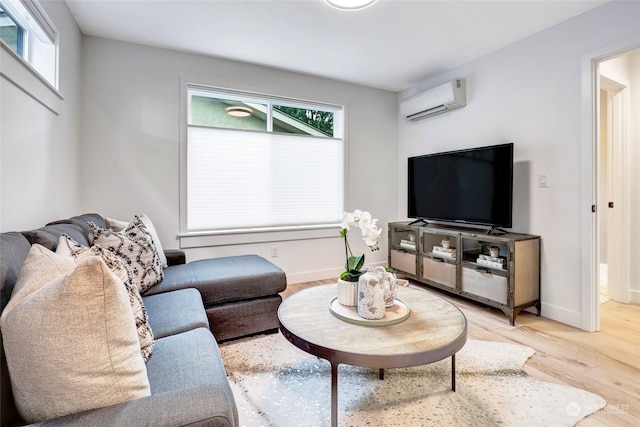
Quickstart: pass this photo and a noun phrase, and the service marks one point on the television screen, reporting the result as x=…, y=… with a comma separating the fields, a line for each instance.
x=473, y=186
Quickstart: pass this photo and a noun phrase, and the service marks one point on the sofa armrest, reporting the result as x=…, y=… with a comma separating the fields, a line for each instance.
x=193, y=407
x=175, y=256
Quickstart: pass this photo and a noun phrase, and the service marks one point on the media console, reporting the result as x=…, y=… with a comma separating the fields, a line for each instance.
x=508, y=278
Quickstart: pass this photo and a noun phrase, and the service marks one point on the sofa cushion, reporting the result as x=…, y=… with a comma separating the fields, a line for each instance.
x=192, y=360
x=174, y=312
x=82, y=221
x=72, y=345
x=76, y=227
x=69, y=247
x=189, y=388
x=225, y=279
x=49, y=235
x=135, y=246
x=14, y=248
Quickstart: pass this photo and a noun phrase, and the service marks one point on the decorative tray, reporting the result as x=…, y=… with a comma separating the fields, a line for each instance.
x=398, y=312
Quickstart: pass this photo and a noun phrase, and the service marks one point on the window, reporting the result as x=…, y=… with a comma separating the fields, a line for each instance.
x=26, y=30
x=12, y=33
x=256, y=163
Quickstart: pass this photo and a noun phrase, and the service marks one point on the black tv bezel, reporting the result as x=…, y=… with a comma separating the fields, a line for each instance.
x=493, y=225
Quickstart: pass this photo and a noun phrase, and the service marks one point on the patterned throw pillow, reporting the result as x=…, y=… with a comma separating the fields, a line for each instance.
x=68, y=246
x=118, y=225
x=135, y=247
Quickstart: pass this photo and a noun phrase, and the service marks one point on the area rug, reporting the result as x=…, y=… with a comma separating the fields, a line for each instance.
x=276, y=384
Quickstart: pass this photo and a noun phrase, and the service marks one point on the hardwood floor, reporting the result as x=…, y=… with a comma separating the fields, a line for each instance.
x=605, y=362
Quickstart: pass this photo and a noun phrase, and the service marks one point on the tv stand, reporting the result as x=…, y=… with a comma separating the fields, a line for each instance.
x=509, y=281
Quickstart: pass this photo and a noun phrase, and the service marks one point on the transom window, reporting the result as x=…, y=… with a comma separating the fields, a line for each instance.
x=27, y=31
x=262, y=163
x=12, y=33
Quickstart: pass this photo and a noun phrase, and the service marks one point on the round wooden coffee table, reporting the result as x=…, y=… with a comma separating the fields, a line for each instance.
x=434, y=330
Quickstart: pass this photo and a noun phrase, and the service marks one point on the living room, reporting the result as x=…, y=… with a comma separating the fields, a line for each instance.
x=109, y=142
x=107, y=82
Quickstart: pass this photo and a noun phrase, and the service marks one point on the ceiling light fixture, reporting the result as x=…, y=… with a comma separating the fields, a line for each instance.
x=350, y=4
x=238, y=111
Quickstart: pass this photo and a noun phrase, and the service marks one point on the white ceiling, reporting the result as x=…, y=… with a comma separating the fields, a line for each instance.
x=391, y=45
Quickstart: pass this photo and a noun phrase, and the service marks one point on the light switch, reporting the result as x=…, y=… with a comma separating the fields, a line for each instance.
x=543, y=180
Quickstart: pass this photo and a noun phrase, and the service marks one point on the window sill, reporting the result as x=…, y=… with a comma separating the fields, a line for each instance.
x=22, y=75
x=243, y=237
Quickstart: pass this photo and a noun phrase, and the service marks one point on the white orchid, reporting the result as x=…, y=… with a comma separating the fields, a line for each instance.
x=370, y=235
x=348, y=220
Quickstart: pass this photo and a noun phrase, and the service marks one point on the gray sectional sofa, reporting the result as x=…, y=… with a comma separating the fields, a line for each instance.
x=194, y=306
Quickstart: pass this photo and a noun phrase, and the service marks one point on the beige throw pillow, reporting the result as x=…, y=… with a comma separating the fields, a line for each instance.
x=68, y=246
x=39, y=268
x=72, y=345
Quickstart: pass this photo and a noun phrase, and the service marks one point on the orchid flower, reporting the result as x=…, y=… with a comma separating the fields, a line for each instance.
x=370, y=235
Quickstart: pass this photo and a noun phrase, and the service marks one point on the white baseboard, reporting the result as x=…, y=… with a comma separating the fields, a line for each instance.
x=561, y=314
x=635, y=296
x=311, y=276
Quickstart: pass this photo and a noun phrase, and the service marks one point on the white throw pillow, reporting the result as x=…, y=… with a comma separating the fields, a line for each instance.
x=115, y=224
x=72, y=345
x=69, y=247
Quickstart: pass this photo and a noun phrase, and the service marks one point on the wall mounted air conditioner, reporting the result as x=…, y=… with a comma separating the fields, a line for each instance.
x=441, y=99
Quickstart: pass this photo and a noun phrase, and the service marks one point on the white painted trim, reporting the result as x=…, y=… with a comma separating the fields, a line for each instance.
x=311, y=276
x=619, y=244
x=562, y=315
x=183, y=129
x=621, y=101
x=589, y=250
x=239, y=238
x=22, y=75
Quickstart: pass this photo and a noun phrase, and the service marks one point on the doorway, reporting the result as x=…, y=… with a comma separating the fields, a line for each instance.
x=613, y=174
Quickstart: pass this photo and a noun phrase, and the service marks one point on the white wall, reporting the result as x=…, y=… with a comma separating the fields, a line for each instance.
x=130, y=152
x=39, y=134
x=529, y=93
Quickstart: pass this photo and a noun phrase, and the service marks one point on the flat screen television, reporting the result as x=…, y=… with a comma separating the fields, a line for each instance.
x=472, y=186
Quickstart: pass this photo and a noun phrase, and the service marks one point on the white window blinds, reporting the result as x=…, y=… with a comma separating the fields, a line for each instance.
x=238, y=180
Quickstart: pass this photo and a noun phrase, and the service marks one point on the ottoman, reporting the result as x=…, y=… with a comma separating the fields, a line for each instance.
x=240, y=293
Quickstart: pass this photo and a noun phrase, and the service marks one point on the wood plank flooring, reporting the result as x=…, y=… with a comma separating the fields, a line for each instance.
x=605, y=362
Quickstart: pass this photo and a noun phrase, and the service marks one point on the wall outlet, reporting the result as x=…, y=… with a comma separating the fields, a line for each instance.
x=274, y=251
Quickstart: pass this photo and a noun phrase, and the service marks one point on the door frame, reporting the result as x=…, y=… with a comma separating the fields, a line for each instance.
x=589, y=256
